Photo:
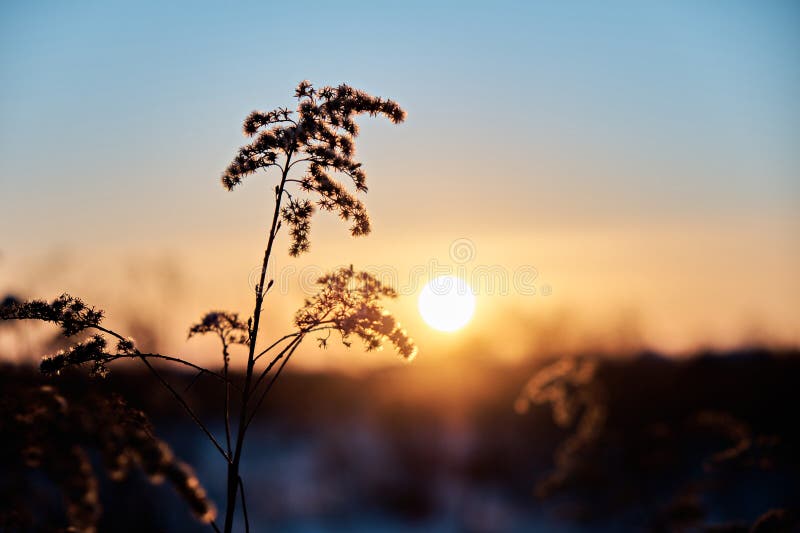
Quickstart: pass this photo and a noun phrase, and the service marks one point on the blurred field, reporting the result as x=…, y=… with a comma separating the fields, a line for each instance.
x=705, y=442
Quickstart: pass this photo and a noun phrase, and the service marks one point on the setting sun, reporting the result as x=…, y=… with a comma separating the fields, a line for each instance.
x=447, y=303
x=533, y=268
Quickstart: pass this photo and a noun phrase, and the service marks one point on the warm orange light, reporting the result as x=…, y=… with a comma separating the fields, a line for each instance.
x=447, y=303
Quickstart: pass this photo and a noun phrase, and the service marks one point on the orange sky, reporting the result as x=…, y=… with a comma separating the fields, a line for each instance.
x=670, y=287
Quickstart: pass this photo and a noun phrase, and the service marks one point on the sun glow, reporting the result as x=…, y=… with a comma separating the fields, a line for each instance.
x=447, y=303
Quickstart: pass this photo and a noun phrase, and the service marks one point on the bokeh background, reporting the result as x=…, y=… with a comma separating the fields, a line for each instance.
x=637, y=163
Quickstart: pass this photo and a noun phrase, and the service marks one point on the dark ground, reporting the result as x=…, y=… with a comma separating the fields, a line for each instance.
x=644, y=443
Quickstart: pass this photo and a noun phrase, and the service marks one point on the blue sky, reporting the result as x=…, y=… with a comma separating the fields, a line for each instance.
x=686, y=105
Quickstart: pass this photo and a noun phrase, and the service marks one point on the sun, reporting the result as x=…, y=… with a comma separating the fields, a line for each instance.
x=447, y=303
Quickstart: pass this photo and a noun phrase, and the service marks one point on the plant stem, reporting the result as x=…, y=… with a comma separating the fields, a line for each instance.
x=233, y=465
x=288, y=351
x=185, y=406
x=144, y=358
x=244, y=506
x=225, y=360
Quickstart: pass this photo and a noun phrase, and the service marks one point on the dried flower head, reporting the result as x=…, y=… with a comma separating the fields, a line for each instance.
x=349, y=303
x=70, y=313
x=226, y=325
x=736, y=431
x=320, y=133
x=73, y=316
x=297, y=215
x=90, y=351
x=559, y=384
x=577, y=401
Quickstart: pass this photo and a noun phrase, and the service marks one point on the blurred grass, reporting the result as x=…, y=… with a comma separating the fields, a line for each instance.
x=439, y=447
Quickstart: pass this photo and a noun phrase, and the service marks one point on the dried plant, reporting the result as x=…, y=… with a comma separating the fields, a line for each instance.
x=624, y=424
x=309, y=148
x=53, y=431
x=577, y=401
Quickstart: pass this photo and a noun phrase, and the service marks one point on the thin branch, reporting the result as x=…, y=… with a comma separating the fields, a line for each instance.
x=291, y=346
x=281, y=353
x=144, y=358
x=299, y=161
x=274, y=344
x=350, y=175
x=154, y=355
x=267, y=165
x=225, y=358
x=194, y=380
x=294, y=344
x=277, y=358
x=185, y=406
x=299, y=333
x=170, y=359
x=244, y=506
x=106, y=330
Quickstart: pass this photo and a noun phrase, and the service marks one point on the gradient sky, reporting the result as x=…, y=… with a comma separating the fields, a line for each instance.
x=644, y=158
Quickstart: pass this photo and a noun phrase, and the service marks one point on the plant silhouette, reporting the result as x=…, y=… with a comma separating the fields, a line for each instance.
x=309, y=147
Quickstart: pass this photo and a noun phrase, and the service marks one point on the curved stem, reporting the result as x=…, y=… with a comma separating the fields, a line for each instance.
x=295, y=343
x=191, y=383
x=139, y=354
x=233, y=465
x=275, y=359
x=299, y=161
x=144, y=358
x=186, y=407
x=225, y=361
x=161, y=357
x=244, y=506
x=274, y=344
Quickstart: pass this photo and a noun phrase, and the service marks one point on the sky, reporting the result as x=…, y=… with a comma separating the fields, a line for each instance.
x=633, y=166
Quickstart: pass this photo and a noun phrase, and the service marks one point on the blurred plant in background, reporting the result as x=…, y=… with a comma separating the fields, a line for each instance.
x=637, y=432
x=578, y=402
x=54, y=431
